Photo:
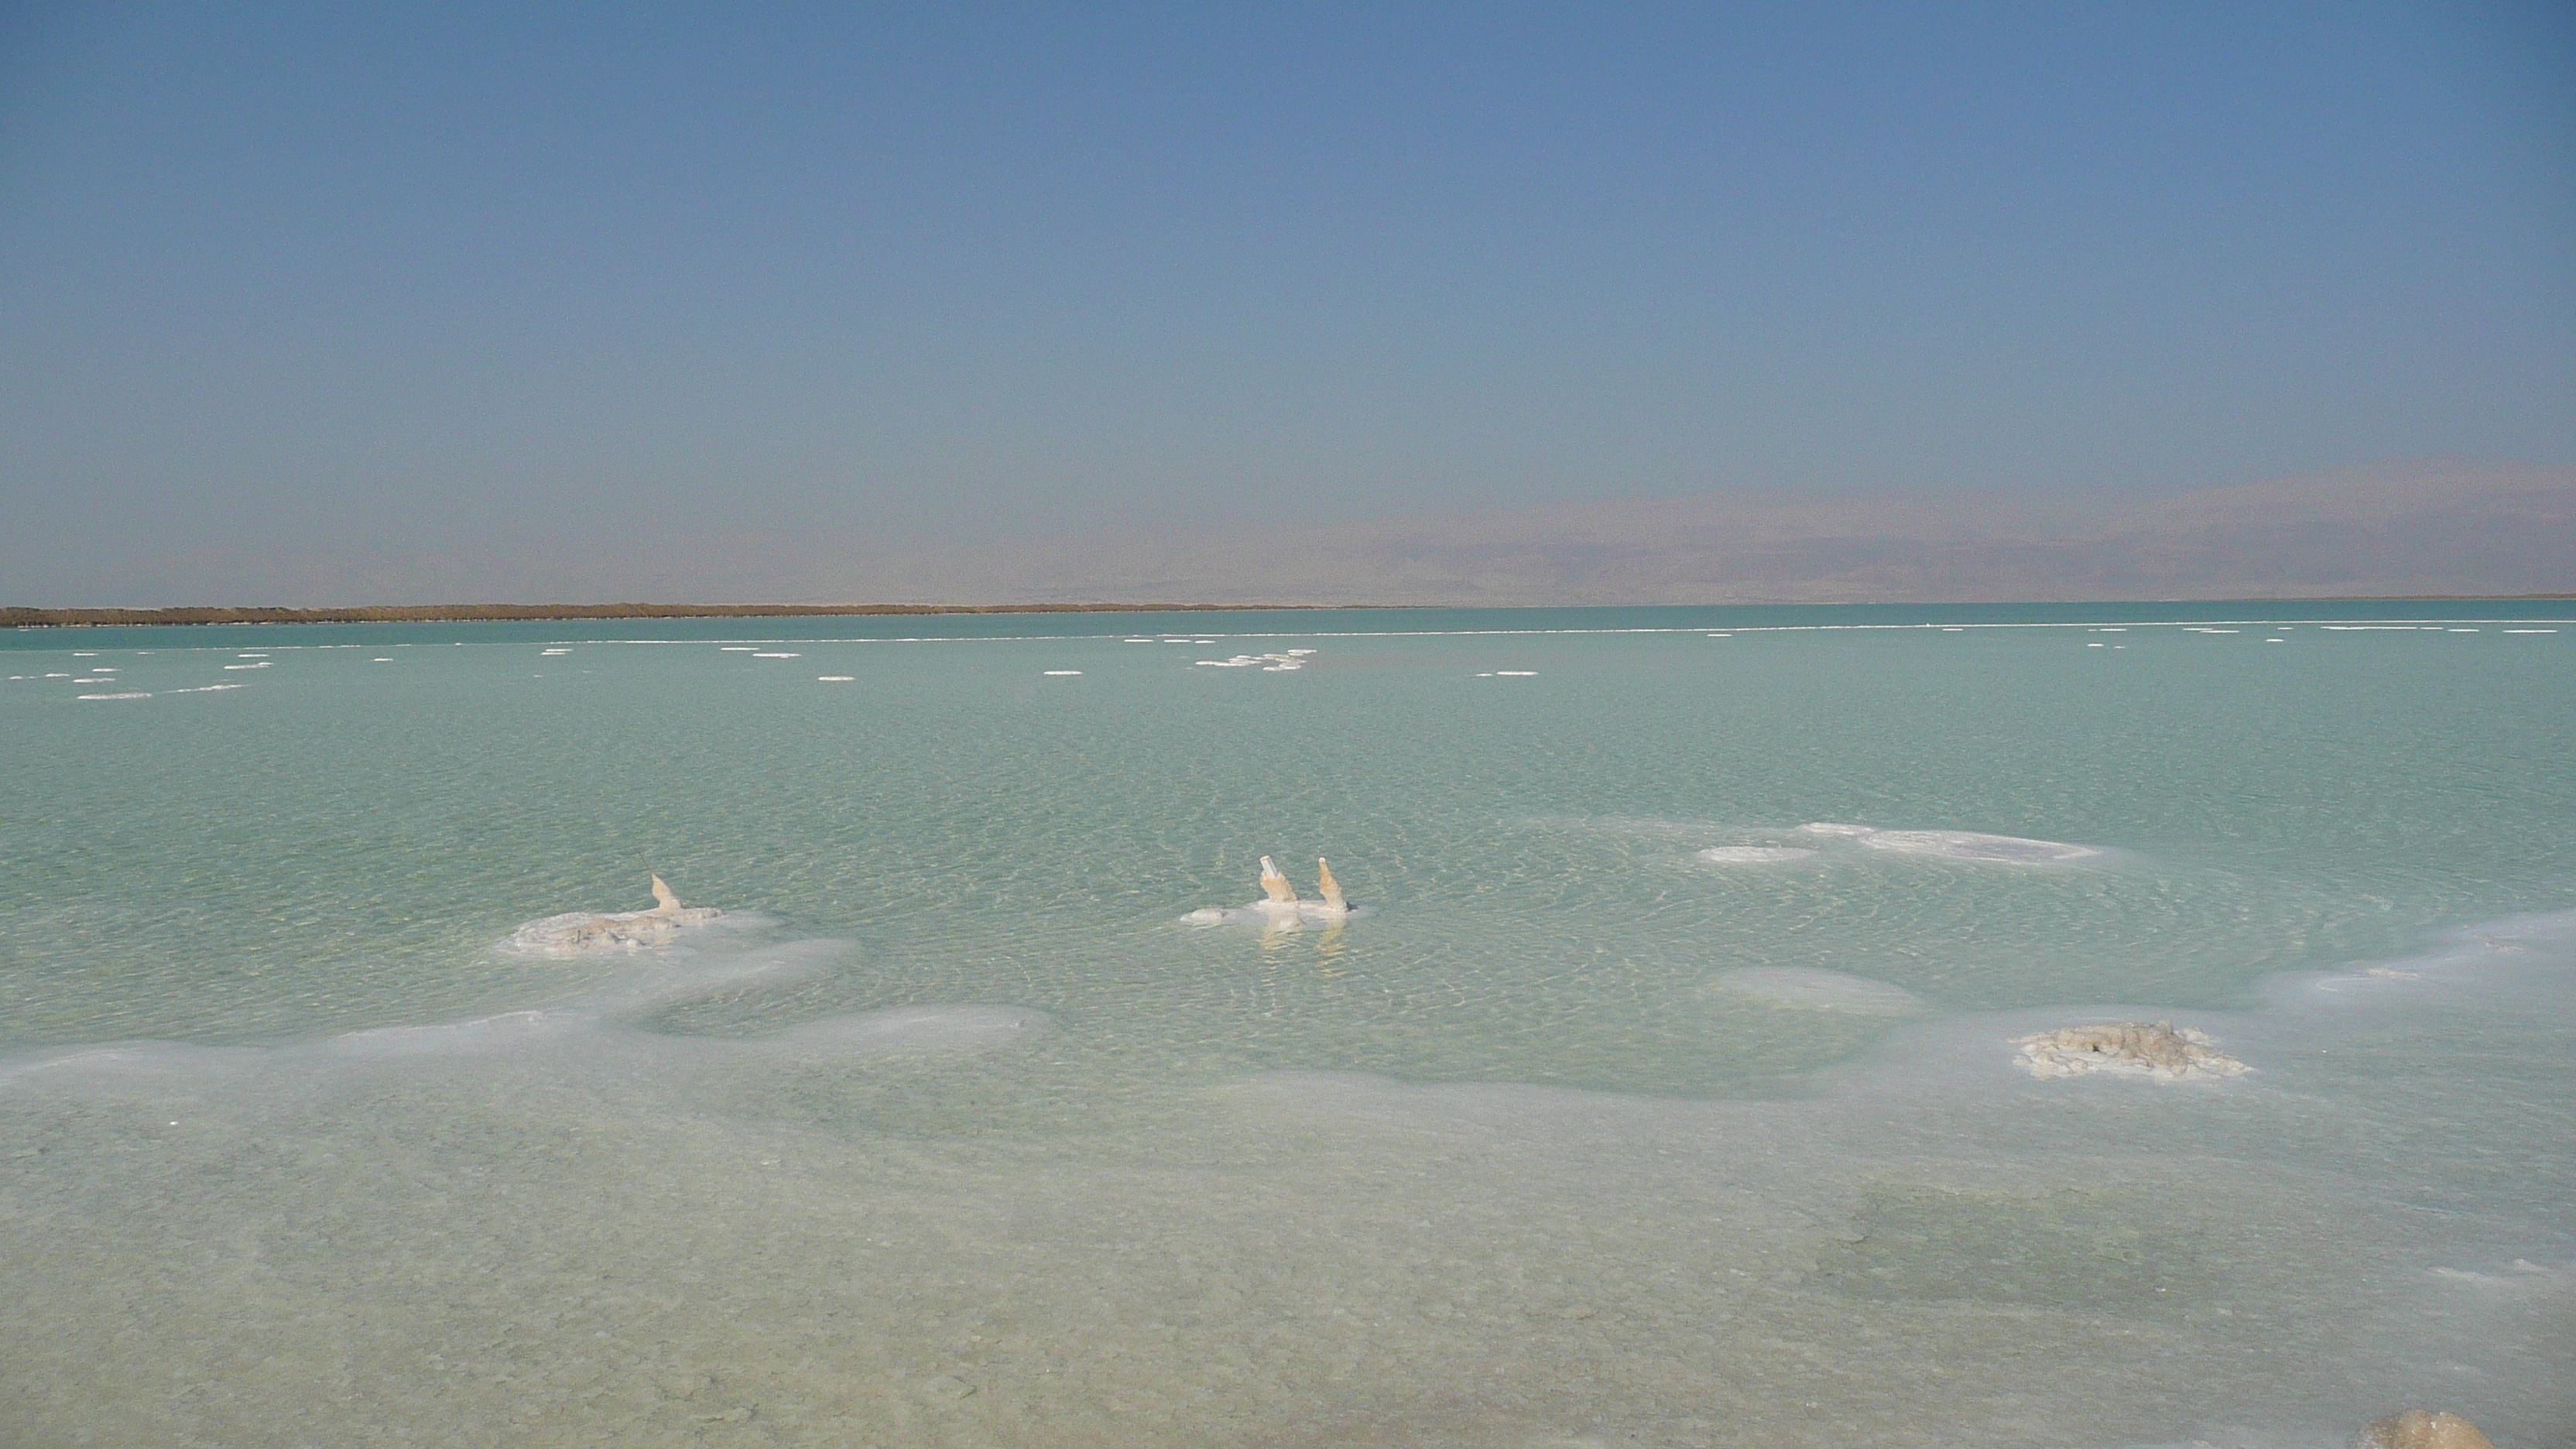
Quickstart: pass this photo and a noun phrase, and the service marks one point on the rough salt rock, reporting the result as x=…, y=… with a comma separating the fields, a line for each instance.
x=1279, y=909
x=2416, y=1429
x=626, y=931
x=2161, y=1052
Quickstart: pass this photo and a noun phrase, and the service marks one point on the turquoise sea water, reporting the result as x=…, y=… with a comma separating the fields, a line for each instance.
x=951, y=1132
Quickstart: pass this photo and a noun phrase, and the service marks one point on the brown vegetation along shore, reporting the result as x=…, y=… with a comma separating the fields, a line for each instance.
x=448, y=613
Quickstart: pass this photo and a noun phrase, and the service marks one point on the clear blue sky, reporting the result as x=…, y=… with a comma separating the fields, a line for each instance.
x=304, y=277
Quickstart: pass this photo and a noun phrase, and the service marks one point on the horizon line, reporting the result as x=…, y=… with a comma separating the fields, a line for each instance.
x=34, y=618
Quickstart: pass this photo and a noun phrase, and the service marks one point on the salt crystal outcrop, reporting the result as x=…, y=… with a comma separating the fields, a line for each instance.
x=1279, y=909
x=2416, y=1429
x=577, y=931
x=2161, y=1052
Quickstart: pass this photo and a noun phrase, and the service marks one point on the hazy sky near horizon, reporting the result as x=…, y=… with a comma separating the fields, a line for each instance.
x=293, y=281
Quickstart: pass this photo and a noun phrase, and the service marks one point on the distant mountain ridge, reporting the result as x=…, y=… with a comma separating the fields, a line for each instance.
x=2405, y=529
x=2393, y=530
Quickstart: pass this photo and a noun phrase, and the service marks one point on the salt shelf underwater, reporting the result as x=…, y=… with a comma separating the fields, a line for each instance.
x=2054, y=1026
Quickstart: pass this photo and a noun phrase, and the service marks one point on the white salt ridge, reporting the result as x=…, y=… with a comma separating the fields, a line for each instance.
x=1970, y=845
x=1061, y=672
x=1967, y=845
x=759, y=655
x=263, y=664
x=113, y=696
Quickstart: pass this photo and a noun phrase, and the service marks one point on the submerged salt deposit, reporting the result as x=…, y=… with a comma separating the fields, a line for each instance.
x=1811, y=990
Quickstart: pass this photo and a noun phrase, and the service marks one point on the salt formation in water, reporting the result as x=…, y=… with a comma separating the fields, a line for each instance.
x=1754, y=854
x=1288, y=662
x=2162, y=1052
x=624, y=931
x=1279, y=909
x=2416, y=1429
x=1808, y=990
x=1957, y=844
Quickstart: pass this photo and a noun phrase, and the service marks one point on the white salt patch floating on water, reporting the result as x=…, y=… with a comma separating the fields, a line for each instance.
x=544, y=652
x=2531, y=631
x=263, y=664
x=115, y=696
x=84, y=654
x=777, y=656
x=1516, y=674
x=204, y=689
x=1061, y=672
x=380, y=660
x=1285, y=663
x=1754, y=854
x=835, y=678
x=1812, y=990
x=58, y=676
x=736, y=648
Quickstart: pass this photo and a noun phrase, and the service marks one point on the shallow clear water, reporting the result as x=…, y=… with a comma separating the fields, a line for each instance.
x=1627, y=1109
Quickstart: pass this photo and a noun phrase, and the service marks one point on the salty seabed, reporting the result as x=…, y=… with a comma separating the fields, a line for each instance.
x=1661, y=1093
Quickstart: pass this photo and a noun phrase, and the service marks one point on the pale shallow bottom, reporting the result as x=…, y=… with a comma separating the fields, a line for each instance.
x=553, y=1227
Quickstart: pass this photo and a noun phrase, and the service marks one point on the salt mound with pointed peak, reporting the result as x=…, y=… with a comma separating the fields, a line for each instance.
x=1279, y=909
x=2161, y=1052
